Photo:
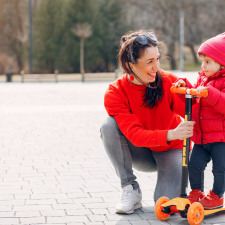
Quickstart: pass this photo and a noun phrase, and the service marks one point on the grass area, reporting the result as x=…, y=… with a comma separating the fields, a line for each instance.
x=190, y=66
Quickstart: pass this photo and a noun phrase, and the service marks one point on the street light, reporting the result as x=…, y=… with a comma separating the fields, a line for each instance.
x=181, y=19
x=30, y=37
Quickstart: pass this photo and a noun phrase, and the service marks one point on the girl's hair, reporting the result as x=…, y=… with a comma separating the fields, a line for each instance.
x=201, y=54
x=132, y=47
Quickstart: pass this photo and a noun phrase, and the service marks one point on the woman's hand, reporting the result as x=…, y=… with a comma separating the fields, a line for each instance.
x=180, y=83
x=182, y=131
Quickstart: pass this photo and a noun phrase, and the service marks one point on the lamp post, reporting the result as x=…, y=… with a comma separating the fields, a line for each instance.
x=30, y=37
x=181, y=35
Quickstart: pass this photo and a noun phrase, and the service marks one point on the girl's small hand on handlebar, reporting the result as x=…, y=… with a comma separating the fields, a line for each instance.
x=182, y=131
x=201, y=89
x=180, y=83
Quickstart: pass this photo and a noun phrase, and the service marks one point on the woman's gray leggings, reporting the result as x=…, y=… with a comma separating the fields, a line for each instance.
x=124, y=155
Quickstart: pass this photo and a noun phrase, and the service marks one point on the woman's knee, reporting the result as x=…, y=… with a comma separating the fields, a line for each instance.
x=169, y=163
x=147, y=164
x=109, y=127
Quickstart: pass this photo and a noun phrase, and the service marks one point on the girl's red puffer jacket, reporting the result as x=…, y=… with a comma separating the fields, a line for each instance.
x=209, y=113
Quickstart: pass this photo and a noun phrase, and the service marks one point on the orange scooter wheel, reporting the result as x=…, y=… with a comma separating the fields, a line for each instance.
x=195, y=214
x=158, y=209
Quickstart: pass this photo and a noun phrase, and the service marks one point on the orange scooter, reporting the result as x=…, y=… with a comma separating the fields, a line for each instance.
x=193, y=212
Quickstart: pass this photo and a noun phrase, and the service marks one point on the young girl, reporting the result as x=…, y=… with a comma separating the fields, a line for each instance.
x=209, y=129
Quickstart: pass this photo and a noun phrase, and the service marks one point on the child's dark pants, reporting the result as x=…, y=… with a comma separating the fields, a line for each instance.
x=201, y=155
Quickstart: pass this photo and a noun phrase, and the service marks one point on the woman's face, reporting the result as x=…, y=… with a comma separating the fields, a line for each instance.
x=147, y=65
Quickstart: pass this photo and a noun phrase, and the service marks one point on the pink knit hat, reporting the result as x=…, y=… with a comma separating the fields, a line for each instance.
x=214, y=48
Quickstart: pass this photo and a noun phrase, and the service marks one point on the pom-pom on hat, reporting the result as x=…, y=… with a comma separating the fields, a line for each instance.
x=214, y=48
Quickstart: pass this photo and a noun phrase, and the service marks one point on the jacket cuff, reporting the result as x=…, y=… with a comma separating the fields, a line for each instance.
x=162, y=138
x=213, y=95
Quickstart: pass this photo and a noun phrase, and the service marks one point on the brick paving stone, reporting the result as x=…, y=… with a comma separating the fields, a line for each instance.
x=48, y=196
x=32, y=220
x=52, y=213
x=99, y=211
x=40, y=201
x=139, y=222
x=67, y=219
x=92, y=223
x=6, y=197
x=28, y=214
x=97, y=218
x=64, y=201
x=6, y=214
x=6, y=208
x=77, y=212
x=6, y=221
x=76, y=223
x=123, y=217
x=68, y=206
x=32, y=207
x=117, y=223
x=158, y=222
x=22, y=196
x=147, y=216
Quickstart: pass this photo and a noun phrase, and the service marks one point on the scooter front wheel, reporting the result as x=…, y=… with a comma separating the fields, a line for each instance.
x=158, y=209
x=195, y=214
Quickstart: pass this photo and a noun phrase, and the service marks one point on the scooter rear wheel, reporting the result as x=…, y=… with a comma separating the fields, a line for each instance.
x=158, y=209
x=195, y=214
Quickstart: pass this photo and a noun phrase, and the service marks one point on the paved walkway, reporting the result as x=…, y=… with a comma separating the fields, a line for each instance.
x=54, y=169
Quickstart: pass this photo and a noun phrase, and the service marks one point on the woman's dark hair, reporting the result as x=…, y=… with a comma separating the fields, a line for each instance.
x=132, y=46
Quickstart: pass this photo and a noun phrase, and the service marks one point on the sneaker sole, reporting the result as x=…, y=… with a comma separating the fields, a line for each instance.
x=137, y=206
x=217, y=207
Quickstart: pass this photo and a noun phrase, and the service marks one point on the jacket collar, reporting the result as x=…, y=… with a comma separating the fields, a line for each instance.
x=221, y=73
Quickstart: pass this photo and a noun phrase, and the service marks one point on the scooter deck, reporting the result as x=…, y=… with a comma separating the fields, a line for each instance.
x=208, y=212
x=180, y=204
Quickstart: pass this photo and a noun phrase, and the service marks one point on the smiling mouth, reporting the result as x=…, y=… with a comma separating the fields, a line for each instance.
x=152, y=75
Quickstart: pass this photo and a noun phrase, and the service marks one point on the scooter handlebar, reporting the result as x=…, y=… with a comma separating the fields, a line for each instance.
x=191, y=91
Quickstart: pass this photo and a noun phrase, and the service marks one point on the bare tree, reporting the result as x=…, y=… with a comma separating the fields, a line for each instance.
x=82, y=30
x=13, y=30
x=161, y=16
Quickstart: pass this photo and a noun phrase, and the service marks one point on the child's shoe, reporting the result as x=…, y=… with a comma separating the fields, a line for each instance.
x=196, y=195
x=212, y=201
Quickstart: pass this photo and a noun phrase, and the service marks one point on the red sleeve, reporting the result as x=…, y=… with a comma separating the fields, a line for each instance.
x=178, y=100
x=129, y=123
x=216, y=98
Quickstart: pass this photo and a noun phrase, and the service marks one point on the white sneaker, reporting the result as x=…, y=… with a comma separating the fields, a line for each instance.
x=130, y=200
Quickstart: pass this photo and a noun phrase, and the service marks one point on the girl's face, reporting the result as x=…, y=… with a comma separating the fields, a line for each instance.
x=147, y=65
x=209, y=66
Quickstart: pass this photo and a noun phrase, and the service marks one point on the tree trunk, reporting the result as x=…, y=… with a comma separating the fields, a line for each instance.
x=171, y=49
x=195, y=58
x=82, y=58
x=19, y=56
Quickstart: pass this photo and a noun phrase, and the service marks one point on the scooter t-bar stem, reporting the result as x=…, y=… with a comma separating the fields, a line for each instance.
x=189, y=94
x=186, y=149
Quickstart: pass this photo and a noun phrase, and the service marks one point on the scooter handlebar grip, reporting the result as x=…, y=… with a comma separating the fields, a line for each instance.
x=179, y=90
x=203, y=94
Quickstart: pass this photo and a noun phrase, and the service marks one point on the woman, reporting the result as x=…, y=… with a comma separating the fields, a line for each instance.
x=144, y=129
